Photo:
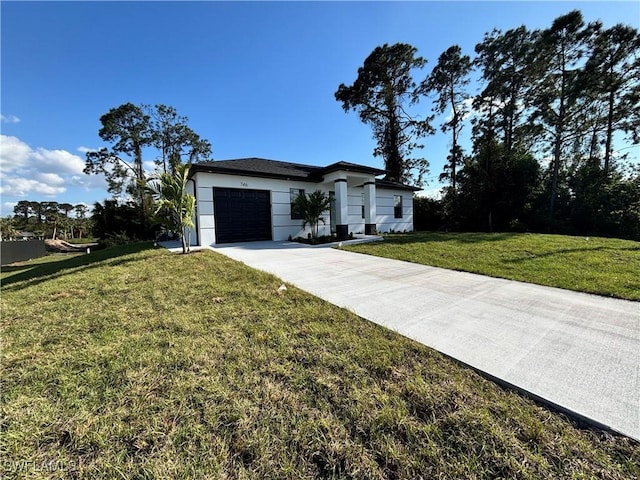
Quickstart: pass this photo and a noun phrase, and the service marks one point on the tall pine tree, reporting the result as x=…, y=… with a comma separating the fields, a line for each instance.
x=381, y=95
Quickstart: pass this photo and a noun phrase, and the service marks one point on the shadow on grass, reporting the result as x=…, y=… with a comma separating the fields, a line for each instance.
x=425, y=237
x=564, y=251
x=16, y=268
x=44, y=269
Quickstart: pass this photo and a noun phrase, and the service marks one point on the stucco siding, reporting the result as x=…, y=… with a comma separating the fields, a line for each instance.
x=282, y=225
x=385, y=215
x=206, y=208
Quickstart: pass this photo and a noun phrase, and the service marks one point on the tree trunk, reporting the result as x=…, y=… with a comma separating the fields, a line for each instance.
x=557, y=149
x=454, y=141
x=556, y=170
x=510, y=121
x=607, y=153
x=139, y=180
x=593, y=145
x=183, y=240
x=454, y=157
x=394, y=166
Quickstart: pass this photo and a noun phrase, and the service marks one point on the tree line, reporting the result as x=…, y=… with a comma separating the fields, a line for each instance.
x=47, y=220
x=544, y=129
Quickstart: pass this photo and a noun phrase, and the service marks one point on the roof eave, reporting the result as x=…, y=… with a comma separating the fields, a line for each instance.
x=338, y=166
x=195, y=168
x=380, y=183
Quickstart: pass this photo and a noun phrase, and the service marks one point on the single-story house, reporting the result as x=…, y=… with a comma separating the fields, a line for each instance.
x=250, y=199
x=26, y=236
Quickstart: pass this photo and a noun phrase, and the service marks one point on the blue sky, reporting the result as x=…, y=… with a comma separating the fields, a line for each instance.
x=255, y=79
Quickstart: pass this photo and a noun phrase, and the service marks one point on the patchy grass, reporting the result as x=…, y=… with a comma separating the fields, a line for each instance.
x=136, y=363
x=604, y=266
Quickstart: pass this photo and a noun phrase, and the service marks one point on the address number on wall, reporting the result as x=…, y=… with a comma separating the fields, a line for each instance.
x=244, y=184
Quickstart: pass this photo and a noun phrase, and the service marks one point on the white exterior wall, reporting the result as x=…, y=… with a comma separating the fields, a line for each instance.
x=281, y=223
x=282, y=226
x=354, y=202
x=384, y=209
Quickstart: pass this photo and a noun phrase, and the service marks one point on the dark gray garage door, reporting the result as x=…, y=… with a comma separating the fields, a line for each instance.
x=242, y=215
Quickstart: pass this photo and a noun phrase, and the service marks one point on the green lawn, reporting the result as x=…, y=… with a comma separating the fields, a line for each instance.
x=605, y=266
x=132, y=362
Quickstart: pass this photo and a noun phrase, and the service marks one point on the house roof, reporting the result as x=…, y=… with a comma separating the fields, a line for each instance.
x=262, y=167
x=352, y=167
x=259, y=167
x=383, y=183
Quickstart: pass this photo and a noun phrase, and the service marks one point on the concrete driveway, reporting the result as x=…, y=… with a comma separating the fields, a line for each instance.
x=580, y=352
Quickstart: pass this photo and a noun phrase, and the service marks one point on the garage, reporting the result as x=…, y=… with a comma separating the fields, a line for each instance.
x=242, y=215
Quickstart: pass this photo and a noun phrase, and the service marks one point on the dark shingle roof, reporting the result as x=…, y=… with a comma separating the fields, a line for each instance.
x=384, y=183
x=259, y=167
x=352, y=167
x=262, y=167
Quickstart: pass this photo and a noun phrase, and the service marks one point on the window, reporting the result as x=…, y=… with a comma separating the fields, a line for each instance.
x=293, y=194
x=363, y=205
x=397, y=206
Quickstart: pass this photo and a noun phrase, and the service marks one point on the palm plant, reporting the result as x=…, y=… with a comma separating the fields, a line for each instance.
x=8, y=230
x=311, y=207
x=174, y=206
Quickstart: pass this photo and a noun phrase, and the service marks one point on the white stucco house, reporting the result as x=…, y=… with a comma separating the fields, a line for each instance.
x=250, y=199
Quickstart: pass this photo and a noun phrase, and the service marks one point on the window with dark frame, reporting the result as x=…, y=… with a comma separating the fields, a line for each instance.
x=293, y=194
x=397, y=206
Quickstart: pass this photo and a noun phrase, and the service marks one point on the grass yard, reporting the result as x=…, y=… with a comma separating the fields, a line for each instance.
x=135, y=363
x=604, y=266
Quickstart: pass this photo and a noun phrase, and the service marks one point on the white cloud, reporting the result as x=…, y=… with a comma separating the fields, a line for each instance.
x=467, y=110
x=83, y=149
x=88, y=182
x=434, y=193
x=9, y=119
x=52, y=179
x=23, y=187
x=58, y=160
x=14, y=154
x=28, y=172
x=8, y=206
x=149, y=167
x=39, y=174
